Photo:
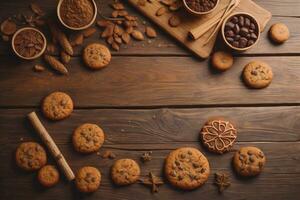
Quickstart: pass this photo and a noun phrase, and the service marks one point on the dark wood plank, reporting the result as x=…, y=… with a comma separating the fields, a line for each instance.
x=149, y=81
x=162, y=126
x=129, y=133
x=164, y=45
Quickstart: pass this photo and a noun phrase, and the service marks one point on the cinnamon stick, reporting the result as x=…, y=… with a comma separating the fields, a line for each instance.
x=47, y=139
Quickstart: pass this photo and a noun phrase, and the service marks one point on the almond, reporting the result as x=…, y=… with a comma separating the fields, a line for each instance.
x=161, y=11
x=89, y=32
x=126, y=37
x=108, y=31
x=115, y=46
x=138, y=35
x=150, y=32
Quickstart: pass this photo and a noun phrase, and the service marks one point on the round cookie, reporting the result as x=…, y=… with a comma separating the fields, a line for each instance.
x=187, y=168
x=88, y=138
x=125, y=172
x=57, y=106
x=249, y=161
x=257, y=74
x=222, y=60
x=218, y=135
x=96, y=56
x=48, y=176
x=30, y=156
x=279, y=33
x=88, y=179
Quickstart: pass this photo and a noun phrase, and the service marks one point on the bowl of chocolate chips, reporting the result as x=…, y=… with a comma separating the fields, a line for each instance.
x=241, y=31
x=28, y=43
x=200, y=7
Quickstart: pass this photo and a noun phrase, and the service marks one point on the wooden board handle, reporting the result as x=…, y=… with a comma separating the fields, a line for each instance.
x=52, y=147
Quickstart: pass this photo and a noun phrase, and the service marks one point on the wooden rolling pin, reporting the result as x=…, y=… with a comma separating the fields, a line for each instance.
x=48, y=141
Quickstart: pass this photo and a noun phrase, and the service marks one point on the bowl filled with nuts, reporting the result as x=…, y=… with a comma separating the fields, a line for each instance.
x=28, y=43
x=77, y=14
x=240, y=31
x=200, y=7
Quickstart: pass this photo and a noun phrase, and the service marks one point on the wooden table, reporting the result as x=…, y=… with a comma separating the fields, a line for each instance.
x=155, y=97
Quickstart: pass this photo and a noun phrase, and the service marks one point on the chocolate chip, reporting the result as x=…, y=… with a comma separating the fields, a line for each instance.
x=251, y=159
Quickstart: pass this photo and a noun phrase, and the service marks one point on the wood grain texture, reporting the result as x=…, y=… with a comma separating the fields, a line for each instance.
x=129, y=133
x=155, y=81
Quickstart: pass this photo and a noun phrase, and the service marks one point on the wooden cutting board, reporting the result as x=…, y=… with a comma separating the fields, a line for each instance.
x=189, y=22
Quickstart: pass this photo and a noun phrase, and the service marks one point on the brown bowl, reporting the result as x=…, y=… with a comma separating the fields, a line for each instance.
x=238, y=14
x=77, y=28
x=37, y=55
x=195, y=13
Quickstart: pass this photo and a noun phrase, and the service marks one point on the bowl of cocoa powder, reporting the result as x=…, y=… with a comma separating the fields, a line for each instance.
x=77, y=14
x=240, y=31
x=200, y=7
x=29, y=43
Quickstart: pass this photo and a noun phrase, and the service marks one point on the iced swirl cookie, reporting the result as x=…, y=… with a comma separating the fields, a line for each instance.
x=96, y=56
x=88, y=138
x=218, y=135
x=48, y=176
x=257, y=74
x=57, y=106
x=30, y=156
x=88, y=179
x=187, y=168
x=125, y=172
x=249, y=161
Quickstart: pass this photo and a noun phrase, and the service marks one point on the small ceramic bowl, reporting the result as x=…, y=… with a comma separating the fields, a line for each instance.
x=77, y=28
x=37, y=55
x=238, y=14
x=195, y=13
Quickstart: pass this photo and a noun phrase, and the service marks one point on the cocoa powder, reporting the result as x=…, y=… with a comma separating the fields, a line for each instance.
x=77, y=13
x=29, y=43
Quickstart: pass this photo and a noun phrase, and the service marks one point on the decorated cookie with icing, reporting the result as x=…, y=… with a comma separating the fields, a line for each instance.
x=218, y=135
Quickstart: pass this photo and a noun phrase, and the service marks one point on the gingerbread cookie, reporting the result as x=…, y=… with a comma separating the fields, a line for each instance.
x=57, y=106
x=96, y=56
x=218, y=135
x=125, y=172
x=257, y=74
x=222, y=60
x=30, y=156
x=187, y=168
x=88, y=138
x=279, y=33
x=88, y=179
x=48, y=176
x=249, y=161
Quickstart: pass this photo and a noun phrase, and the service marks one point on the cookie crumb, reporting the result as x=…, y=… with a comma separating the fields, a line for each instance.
x=108, y=154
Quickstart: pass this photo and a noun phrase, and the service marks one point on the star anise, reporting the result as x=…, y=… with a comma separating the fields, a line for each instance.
x=146, y=156
x=152, y=181
x=222, y=181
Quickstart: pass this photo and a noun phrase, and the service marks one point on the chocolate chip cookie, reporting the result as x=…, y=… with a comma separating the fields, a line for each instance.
x=96, y=56
x=257, y=75
x=88, y=179
x=187, y=168
x=125, y=172
x=249, y=161
x=279, y=33
x=222, y=60
x=30, y=156
x=218, y=135
x=88, y=138
x=48, y=176
x=57, y=106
